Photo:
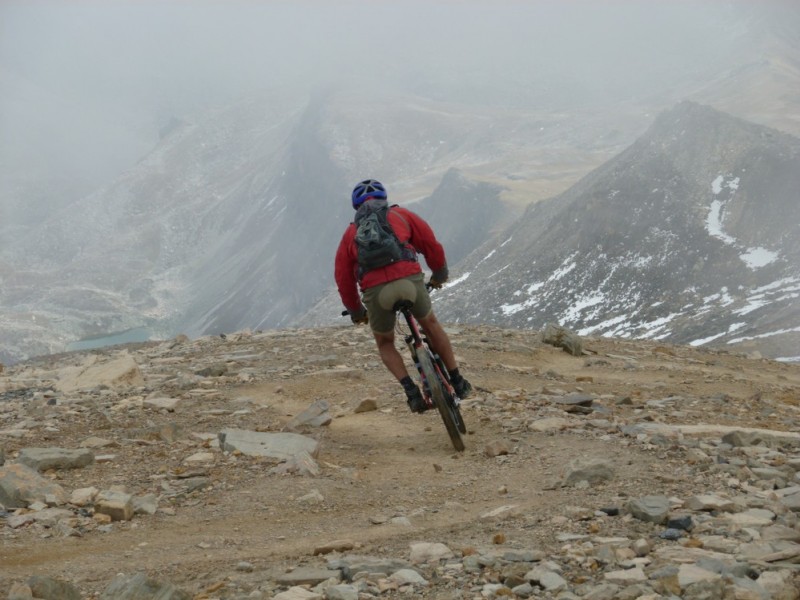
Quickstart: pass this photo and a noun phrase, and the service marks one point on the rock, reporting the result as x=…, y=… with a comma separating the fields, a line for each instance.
x=500, y=511
x=342, y=592
x=44, y=459
x=740, y=438
x=779, y=585
x=651, y=509
x=604, y=591
x=641, y=547
x=791, y=501
x=117, y=505
x=710, y=502
x=302, y=464
x=20, y=485
x=213, y=371
x=549, y=424
x=140, y=587
x=307, y=576
x=316, y=415
x=692, y=574
x=496, y=448
x=546, y=578
x=335, y=546
x=83, y=496
x=591, y=470
x=145, y=505
x=366, y=405
x=313, y=497
x=755, y=517
x=298, y=593
x=682, y=522
x=563, y=338
x=118, y=373
x=571, y=400
x=20, y=591
x=626, y=576
x=408, y=577
x=272, y=445
x=429, y=553
x=168, y=404
x=671, y=534
x=351, y=565
x=48, y=588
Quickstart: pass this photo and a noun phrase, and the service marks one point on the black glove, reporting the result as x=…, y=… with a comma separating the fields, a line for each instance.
x=438, y=278
x=359, y=316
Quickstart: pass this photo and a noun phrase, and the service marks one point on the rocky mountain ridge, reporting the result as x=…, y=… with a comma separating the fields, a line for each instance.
x=690, y=235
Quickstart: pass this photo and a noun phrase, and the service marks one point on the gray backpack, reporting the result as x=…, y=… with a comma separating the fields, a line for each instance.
x=376, y=242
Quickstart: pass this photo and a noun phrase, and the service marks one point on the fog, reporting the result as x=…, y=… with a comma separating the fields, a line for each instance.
x=88, y=84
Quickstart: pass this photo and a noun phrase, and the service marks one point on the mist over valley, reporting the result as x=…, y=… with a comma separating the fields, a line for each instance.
x=634, y=178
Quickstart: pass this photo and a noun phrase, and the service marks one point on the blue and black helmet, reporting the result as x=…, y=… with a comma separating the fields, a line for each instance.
x=369, y=188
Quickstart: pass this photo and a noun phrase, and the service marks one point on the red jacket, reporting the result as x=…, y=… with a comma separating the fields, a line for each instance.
x=408, y=227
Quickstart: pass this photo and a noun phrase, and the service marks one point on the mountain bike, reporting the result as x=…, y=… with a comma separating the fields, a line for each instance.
x=437, y=391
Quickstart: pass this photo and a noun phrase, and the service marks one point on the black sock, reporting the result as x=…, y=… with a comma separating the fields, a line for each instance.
x=408, y=383
x=455, y=376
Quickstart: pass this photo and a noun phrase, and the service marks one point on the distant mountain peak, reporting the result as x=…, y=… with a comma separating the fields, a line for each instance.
x=689, y=235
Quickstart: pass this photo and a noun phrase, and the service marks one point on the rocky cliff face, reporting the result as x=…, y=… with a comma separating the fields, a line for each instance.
x=689, y=235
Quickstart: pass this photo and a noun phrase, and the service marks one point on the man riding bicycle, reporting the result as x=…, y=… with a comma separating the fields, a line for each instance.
x=402, y=279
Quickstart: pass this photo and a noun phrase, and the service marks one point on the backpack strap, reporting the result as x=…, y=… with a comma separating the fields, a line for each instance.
x=409, y=252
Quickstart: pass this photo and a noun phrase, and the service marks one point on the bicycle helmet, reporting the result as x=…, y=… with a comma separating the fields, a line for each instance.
x=369, y=188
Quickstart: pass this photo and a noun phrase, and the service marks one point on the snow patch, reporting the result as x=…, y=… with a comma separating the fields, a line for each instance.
x=763, y=335
x=714, y=223
x=789, y=359
x=758, y=257
x=754, y=258
x=457, y=280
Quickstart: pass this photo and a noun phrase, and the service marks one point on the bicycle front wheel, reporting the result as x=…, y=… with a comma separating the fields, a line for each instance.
x=439, y=399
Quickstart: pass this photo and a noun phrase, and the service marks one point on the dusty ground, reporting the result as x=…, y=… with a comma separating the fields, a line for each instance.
x=382, y=464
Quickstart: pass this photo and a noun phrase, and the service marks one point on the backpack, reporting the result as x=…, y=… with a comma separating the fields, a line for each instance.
x=376, y=242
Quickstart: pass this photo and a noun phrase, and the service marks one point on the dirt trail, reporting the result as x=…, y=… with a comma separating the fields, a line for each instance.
x=387, y=464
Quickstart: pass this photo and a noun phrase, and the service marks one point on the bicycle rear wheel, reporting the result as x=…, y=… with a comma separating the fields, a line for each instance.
x=449, y=395
x=451, y=421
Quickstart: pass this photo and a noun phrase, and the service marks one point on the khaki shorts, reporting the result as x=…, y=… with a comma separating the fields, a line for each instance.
x=380, y=299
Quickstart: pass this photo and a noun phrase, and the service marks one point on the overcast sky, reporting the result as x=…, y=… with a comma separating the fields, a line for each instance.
x=85, y=85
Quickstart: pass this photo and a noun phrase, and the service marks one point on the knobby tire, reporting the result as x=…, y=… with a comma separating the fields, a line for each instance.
x=438, y=396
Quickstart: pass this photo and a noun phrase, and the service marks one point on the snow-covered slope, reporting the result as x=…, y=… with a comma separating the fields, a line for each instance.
x=691, y=235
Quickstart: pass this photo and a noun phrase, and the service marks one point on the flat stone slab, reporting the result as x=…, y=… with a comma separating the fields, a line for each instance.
x=308, y=576
x=715, y=430
x=282, y=445
x=44, y=459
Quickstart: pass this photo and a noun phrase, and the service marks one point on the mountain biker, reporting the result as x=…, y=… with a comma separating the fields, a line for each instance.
x=402, y=280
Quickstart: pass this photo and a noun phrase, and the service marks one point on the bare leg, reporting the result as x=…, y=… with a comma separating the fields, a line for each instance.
x=439, y=340
x=390, y=356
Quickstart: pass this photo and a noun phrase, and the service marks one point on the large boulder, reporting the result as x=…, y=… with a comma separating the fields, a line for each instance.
x=21, y=486
x=118, y=373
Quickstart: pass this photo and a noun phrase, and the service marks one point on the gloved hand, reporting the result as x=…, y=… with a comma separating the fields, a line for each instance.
x=438, y=278
x=359, y=316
